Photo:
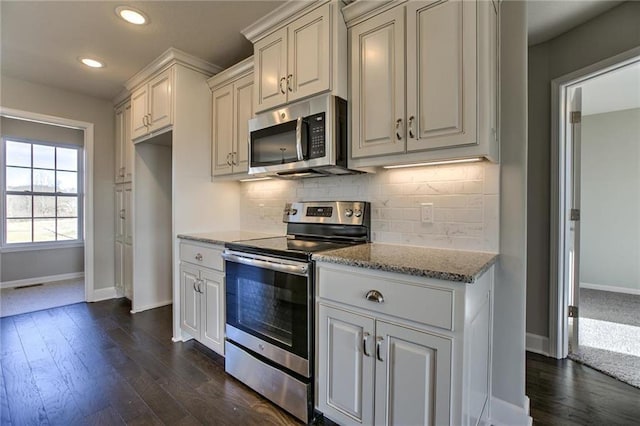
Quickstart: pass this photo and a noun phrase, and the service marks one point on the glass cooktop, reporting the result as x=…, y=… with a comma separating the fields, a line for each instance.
x=298, y=248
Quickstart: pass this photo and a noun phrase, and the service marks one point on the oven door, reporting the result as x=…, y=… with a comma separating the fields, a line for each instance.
x=268, y=304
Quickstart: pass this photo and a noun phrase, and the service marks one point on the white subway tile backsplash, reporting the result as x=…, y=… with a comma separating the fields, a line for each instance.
x=464, y=196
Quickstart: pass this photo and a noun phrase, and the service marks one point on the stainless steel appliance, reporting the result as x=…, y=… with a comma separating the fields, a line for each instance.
x=269, y=300
x=305, y=139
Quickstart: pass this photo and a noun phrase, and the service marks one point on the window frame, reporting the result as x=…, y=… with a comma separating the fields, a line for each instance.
x=40, y=245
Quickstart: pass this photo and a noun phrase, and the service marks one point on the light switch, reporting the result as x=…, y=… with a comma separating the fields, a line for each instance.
x=427, y=212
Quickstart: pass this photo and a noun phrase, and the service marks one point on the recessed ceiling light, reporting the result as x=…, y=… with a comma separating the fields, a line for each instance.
x=131, y=15
x=91, y=62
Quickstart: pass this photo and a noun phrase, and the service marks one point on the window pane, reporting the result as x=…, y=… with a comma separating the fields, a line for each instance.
x=67, y=159
x=44, y=230
x=68, y=206
x=68, y=182
x=18, y=154
x=44, y=180
x=18, y=231
x=44, y=156
x=18, y=179
x=19, y=206
x=67, y=229
x=44, y=206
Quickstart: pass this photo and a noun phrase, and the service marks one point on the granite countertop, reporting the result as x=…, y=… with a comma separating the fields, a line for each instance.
x=450, y=265
x=222, y=237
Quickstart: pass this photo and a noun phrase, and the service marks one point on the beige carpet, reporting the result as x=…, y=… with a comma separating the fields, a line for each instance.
x=14, y=301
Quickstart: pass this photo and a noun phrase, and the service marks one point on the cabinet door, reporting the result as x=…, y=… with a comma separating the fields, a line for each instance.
x=377, y=85
x=222, y=130
x=127, y=144
x=189, y=301
x=127, y=280
x=270, y=71
x=119, y=155
x=120, y=213
x=160, y=101
x=413, y=377
x=212, y=310
x=128, y=213
x=345, y=366
x=119, y=272
x=309, y=59
x=441, y=74
x=243, y=111
x=139, y=110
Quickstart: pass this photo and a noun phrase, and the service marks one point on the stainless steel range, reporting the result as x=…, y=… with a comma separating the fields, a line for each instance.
x=269, y=300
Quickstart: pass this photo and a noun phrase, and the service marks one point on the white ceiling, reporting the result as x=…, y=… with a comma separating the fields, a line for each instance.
x=614, y=91
x=548, y=19
x=41, y=40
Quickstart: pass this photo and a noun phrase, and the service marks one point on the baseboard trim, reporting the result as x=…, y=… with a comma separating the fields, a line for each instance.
x=538, y=344
x=42, y=280
x=625, y=290
x=504, y=413
x=152, y=306
x=104, y=294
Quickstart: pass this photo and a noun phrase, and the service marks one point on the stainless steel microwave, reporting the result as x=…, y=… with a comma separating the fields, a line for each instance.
x=304, y=139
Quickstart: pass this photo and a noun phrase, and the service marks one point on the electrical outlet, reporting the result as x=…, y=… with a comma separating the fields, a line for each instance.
x=426, y=211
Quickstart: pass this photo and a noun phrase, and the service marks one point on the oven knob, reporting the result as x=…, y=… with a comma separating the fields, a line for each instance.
x=348, y=212
x=293, y=212
x=358, y=213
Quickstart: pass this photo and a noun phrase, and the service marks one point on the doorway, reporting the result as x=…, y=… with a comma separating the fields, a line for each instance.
x=87, y=183
x=596, y=217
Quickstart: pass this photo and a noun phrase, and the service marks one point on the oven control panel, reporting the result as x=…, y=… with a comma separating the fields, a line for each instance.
x=327, y=212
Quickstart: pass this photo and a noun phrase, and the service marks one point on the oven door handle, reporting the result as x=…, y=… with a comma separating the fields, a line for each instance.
x=287, y=268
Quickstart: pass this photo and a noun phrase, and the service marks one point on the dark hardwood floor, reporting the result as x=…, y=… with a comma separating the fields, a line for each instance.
x=96, y=364
x=564, y=392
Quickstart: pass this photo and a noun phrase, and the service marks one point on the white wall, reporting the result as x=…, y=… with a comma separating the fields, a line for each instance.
x=36, y=98
x=610, y=200
x=464, y=197
x=602, y=37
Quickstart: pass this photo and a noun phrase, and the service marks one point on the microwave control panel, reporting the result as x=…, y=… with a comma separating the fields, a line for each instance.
x=316, y=126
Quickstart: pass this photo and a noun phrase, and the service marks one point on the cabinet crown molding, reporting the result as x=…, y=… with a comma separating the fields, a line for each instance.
x=169, y=57
x=233, y=72
x=280, y=17
x=360, y=10
x=121, y=98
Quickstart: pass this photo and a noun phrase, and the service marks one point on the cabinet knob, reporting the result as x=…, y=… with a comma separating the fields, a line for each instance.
x=289, y=77
x=365, y=337
x=398, y=125
x=374, y=296
x=199, y=257
x=411, y=134
x=379, y=341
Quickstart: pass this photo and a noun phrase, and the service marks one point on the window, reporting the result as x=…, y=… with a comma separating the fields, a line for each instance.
x=42, y=192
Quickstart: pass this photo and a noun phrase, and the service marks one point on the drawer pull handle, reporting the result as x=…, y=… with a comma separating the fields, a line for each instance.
x=378, y=344
x=364, y=343
x=199, y=257
x=374, y=296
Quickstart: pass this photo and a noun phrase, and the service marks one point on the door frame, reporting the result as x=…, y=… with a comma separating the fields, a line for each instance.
x=87, y=182
x=558, y=310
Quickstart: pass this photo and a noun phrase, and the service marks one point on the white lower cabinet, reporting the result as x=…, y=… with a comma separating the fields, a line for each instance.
x=202, y=313
x=384, y=359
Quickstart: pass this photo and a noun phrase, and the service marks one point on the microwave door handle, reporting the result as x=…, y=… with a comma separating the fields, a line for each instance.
x=299, y=139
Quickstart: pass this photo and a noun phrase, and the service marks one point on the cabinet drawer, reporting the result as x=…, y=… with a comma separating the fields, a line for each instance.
x=209, y=257
x=403, y=299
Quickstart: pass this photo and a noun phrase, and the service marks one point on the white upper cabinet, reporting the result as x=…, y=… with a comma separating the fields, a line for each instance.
x=124, y=146
x=232, y=108
x=299, y=56
x=424, y=89
x=377, y=85
x=152, y=105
